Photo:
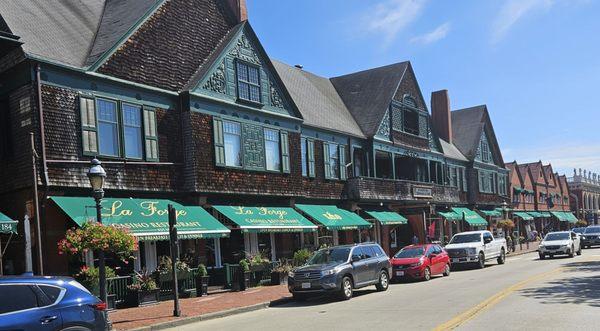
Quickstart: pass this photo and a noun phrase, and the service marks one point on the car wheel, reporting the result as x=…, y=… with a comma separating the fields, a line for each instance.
x=446, y=270
x=481, y=263
x=346, y=292
x=502, y=257
x=542, y=256
x=551, y=256
x=572, y=251
x=299, y=296
x=426, y=274
x=384, y=281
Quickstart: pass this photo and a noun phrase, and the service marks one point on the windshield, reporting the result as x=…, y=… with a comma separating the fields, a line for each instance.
x=592, y=229
x=410, y=253
x=578, y=230
x=557, y=236
x=330, y=255
x=466, y=238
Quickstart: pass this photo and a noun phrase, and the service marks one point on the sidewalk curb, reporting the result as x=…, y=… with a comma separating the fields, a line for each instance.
x=210, y=316
x=521, y=252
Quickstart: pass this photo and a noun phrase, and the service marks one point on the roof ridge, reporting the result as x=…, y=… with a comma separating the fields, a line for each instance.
x=91, y=45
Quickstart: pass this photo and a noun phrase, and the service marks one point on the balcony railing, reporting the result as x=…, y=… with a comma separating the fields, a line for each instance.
x=377, y=189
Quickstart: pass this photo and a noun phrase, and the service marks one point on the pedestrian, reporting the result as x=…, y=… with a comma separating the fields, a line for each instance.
x=415, y=240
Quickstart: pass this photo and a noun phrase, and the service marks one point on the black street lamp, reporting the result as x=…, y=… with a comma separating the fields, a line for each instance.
x=96, y=175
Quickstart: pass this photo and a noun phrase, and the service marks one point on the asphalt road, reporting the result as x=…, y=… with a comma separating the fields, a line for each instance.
x=526, y=293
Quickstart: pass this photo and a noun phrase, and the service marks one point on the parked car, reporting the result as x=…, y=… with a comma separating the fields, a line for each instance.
x=420, y=262
x=591, y=236
x=49, y=303
x=476, y=247
x=560, y=243
x=578, y=230
x=341, y=269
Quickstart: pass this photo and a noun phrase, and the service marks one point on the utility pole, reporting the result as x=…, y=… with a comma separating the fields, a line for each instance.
x=36, y=207
x=174, y=257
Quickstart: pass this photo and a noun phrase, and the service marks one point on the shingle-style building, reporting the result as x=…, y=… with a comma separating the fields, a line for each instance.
x=183, y=105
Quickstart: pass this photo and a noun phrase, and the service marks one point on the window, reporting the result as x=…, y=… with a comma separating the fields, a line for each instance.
x=232, y=135
x=411, y=122
x=484, y=152
x=132, y=131
x=334, y=161
x=454, y=177
x=272, y=159
x=52, y=292
x=486, y=181
x=108, y=127
x=502, y=184
x=357, y=254
x=27, y=298
x=304, y=156
x=248, y=79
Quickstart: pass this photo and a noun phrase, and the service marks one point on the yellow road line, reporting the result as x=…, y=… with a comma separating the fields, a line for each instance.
x=493, y=300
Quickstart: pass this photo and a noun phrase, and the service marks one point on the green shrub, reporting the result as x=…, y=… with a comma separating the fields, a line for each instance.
x=301, y=256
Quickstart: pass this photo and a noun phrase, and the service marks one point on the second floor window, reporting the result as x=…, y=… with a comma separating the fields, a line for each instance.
x=108, y=127
x=411, y=122
x=248, y=81
x=132, y=131
x=272, y=159
x=232, y=135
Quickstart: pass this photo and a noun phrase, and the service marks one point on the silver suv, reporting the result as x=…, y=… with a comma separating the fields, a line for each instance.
x=341, y=269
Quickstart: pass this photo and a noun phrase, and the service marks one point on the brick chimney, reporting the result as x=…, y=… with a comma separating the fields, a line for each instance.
x=440, y=115
x=239, y=10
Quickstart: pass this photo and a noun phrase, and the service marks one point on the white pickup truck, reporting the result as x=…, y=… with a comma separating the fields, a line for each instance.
x=476, y=247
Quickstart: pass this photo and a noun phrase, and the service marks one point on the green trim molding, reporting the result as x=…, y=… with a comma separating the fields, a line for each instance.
x=266, y=219
x=147, y=219
x=334, y=218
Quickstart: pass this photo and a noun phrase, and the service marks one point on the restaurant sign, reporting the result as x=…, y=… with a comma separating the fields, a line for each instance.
x=422, y=192
x=266, y=219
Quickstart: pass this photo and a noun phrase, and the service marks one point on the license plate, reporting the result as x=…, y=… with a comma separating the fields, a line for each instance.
x=399, y=273
x=305, y=285
x=455, y=260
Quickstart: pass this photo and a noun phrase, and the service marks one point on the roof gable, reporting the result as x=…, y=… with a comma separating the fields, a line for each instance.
x=514, y=173
x=367, y=94
x=217, y=78
x=526, y=175
x=537, y=173
x=317, y=100
x=550, y=177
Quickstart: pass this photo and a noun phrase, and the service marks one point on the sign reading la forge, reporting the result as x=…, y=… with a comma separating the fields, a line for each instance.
x=146, y=209
x=266, y=216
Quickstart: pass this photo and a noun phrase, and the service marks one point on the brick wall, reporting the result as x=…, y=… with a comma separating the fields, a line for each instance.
x=225, y=180
x=172, y=44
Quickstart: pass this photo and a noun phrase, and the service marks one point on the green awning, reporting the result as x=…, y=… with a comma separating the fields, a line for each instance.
x=518, y=190
x=450, y=215
x=535, y=214
x=564, y=216
x=334, y=218
x=470, y=216
x=523, y=215
x=266, y=219
x=7, y=225
x=388, y=217
x=545, y=214
x=491, y=213
x=147, y=219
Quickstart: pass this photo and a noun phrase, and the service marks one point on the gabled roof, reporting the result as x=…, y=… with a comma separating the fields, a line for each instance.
x=118, y=18
x=535, y=170
x=61, y=31
x=549, y=174
x=524, y=172
x=467, y=127
x=367, y=94
x=514, y=170
x=317, y=100
x=564, y=187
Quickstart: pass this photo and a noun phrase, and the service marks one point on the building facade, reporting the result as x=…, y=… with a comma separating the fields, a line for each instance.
x=585, y=195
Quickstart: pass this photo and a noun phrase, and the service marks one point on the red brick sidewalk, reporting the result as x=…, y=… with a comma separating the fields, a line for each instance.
x=533, y=246
x=131, y=318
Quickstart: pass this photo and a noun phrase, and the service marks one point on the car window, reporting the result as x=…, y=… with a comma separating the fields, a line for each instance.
x=357, y=253
x=52, y=292
x=487, y=236
x=429, y=250
x=23, y=298
x=368, y=252
x=437, y=249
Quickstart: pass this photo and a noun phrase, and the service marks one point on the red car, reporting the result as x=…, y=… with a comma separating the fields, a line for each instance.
x=420, y=262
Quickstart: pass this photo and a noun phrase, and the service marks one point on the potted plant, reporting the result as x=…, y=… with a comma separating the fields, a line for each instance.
x=246, y=275
x=202, y=280
x=258, y=263
x=143, y=291
x=279, y=274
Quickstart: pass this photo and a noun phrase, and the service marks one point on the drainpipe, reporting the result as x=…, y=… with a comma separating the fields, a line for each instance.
x=41, y=117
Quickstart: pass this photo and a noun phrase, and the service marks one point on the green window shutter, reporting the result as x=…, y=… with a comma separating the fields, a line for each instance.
x=285, y=152
x=310, y=148
x=89, y=127
x=342, y=153
x=150, y=134
x=326, y=160
x=219, y=142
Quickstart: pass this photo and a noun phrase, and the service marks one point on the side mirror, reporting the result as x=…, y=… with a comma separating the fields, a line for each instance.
x=355, y=258
x=487, y=240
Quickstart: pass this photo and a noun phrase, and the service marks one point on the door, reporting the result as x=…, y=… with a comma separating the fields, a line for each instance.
x=26, y=310
x=370, y=256
x=490, y=248
x=360, y=266
x=438, y=260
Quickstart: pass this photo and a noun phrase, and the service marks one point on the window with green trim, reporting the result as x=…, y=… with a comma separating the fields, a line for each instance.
x=232, y=135
x=248, y=81
x=486, y=181
x=272, y=156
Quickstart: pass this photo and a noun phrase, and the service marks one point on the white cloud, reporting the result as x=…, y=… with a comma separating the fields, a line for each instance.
x=439, y=33
x=392, y=16
x=564, y=158
x=514, y=10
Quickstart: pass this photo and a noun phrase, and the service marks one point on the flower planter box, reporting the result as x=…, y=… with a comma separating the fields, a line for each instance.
x=142, y=298
x=246, y=281
x=279, y=278
x=111, y=301
x=202, y=285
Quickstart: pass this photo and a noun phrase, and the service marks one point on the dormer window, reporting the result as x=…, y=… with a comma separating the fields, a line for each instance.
x=248, y=82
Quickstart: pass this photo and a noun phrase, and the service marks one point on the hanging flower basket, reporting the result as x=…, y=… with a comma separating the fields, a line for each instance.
x=98, y=237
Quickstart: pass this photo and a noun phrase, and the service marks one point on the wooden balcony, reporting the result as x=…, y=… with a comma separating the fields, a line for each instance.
x=377, y=189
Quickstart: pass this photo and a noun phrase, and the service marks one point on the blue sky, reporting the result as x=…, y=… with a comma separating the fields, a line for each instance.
x=535, y=63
